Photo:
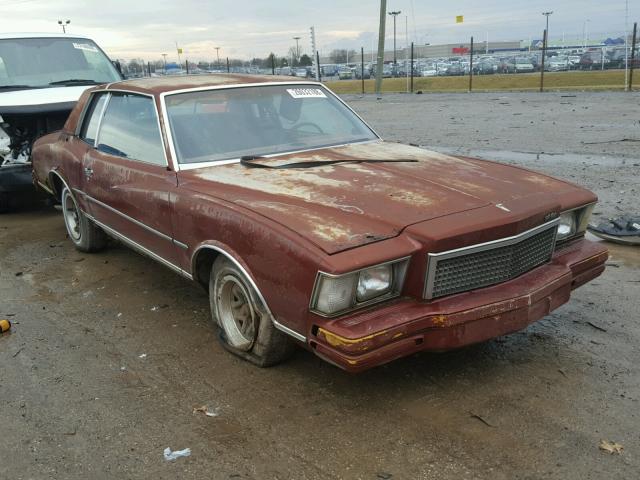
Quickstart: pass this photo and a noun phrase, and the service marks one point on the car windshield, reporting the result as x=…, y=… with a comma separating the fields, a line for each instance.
x=224, y=124
x=38, y=62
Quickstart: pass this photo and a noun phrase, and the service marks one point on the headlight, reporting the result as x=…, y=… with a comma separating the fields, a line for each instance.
x=567, y=225
x=336, y=294
x=573, y=222
x=374, y=282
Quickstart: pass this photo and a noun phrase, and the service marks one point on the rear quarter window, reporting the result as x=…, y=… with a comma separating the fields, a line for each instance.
x=89, y=129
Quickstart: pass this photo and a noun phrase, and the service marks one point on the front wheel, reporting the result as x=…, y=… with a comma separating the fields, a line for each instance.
x=245, y=323
x=85, y=235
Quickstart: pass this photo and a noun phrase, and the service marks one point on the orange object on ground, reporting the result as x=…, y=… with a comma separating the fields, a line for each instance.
x=5, y=325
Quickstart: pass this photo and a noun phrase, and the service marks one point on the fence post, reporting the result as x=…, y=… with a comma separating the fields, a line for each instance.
x=362, y=67
x=471, y=68
x=633, y=54
x=411, y=67
x=544, y=54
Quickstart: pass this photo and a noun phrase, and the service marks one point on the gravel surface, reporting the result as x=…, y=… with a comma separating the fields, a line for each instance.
x=592, y=139
x=110, y=353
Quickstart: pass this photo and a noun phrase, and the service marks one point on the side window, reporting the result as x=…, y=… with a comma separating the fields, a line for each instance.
x=129, y=129
x=92, y=119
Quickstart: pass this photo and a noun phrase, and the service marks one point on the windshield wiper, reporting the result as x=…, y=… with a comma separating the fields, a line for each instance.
x=17, y=87
x=75, y=81
x=247, y=161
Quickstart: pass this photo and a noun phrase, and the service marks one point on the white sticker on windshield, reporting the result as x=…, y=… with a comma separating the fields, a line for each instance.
x=306, y=93
x=85, y=46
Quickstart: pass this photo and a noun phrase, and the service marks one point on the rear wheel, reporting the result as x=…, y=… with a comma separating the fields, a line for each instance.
x=85, y=235
x=245, y=323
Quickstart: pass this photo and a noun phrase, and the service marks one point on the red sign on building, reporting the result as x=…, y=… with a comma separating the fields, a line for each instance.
x=460, y=50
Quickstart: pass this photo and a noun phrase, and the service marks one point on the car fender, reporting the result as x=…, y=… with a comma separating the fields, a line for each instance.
x=236, y=259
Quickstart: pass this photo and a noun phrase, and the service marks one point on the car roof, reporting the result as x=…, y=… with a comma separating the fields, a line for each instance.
x=170, y=83
x=4, y=36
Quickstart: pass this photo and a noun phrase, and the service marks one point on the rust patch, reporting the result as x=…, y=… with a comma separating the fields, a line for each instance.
x=338, y=341
x=439, y=320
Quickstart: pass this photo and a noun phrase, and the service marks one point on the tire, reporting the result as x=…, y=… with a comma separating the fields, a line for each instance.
x=246, y=329
x=85, y=235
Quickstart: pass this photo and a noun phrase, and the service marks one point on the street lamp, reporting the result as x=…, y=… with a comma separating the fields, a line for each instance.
x=64, y=25
x=585, y=33
x=297, y=39
x=547, y=14
x=218, y=55
x=164, y=59
x=394, y=15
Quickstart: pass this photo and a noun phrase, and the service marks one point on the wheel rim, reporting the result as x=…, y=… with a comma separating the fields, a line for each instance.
x=71, y=217
x=236, y=312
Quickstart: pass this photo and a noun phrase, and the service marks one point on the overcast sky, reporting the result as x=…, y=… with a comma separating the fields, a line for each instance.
x=247, y=28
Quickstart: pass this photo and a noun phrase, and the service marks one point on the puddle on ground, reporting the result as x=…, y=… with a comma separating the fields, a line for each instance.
x=624, y=254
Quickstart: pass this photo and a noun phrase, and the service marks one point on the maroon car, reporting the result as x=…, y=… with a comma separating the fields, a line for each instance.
x=306, y=227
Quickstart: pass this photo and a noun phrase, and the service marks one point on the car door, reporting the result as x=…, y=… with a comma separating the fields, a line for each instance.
x=127, y=179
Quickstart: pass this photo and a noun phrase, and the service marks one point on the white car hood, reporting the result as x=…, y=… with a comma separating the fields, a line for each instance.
x=41, y=96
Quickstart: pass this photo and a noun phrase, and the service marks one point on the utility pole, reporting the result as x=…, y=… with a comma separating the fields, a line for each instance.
x=547, y=14
x=394, y=15
x=64, y=24
x=297, y=39
x=626, y=46
x=164, y=61
x=218, y=55
x=544, y=54
x=179, y=50
x=383, y=18
x=314, y=52
x=633, y=55
x=585, y=33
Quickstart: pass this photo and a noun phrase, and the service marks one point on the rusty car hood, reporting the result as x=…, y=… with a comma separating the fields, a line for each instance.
x=346, y=205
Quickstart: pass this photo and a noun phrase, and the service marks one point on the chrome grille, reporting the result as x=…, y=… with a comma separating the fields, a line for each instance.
x=489, y=263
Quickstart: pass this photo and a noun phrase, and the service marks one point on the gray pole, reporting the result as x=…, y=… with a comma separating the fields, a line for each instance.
x=381, y=33
x=544, y=54
x=626, y=44
x=297, y=39
x=394, y=15
x=471, y=68
x=547, y=14
x=633, y=55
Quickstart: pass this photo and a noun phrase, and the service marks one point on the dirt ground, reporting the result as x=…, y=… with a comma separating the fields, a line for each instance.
x=110, y=353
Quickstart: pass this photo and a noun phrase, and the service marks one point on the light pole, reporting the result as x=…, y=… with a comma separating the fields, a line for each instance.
x=164, y=61
x=218, y=55
x=626, y=46
x=547, y=14
x=394, y=15
x=64, y=25
x=297, y=39
x=585, y=33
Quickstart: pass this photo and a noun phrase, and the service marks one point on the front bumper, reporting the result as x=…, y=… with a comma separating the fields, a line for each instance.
x=16, y=178
x=401, y=328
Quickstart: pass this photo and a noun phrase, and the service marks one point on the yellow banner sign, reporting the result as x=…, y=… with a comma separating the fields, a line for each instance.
x=179, y=51
x=459, y=18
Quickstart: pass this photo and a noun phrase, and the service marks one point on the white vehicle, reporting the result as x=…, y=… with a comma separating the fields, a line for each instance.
x=41, y=78
x=429, y=72
x=524, y=65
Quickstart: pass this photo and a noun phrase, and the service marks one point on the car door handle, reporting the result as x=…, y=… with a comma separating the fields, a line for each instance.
x=88, y=171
